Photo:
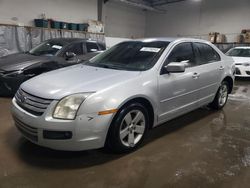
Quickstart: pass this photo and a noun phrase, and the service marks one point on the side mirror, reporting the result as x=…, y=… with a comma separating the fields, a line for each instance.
x=70, y=55
x=175, y=67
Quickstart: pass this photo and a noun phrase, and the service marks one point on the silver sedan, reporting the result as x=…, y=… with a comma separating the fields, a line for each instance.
x=114, y=99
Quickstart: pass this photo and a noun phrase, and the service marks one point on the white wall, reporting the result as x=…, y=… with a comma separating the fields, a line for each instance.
x=198, y=18
x=188, y=18
x=120, y=20
x=111, y=41
x=64, y=10
x=123, y=21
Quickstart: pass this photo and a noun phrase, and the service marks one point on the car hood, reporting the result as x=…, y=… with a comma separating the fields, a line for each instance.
x=241, y=60
x=19, y=61
x=76, y=79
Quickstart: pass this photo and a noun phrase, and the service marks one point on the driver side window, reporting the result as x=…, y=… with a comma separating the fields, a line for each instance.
x=182, y=53
x=77, y=49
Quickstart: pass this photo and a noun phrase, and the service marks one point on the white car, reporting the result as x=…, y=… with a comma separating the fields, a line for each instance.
x=241, y=56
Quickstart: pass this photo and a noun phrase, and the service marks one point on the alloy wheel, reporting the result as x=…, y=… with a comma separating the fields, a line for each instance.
x=223, y=94
x=132, y=128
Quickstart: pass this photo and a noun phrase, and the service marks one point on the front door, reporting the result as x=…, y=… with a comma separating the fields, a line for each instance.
x=178, y=92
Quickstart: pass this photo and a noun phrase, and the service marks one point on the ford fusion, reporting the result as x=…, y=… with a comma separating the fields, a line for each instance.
x=115, y=98
x=49, y=55
x=241, y=56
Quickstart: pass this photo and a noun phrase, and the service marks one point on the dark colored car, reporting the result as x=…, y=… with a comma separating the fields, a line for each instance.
x=49, y=55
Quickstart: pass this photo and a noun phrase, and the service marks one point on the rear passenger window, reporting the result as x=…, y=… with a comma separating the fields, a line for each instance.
x=205, y=53
x=92, y=47
x=182, y=53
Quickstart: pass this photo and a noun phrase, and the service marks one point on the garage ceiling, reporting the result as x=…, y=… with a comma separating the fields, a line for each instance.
x=152, y=5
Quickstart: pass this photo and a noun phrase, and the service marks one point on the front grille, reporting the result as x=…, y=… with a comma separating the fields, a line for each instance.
x=28, y=131
x=32, y=104
x=237, y=71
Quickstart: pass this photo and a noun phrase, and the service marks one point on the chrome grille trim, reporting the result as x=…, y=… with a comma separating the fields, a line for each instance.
x=34, y=98
x=32, y=104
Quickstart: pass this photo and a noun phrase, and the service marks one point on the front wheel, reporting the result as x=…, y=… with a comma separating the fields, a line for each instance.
x=128, y=128
x=221, y=97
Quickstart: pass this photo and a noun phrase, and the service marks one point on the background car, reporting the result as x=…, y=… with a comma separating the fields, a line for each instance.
x=49, y=55
x=116, y=97
x=241, y=56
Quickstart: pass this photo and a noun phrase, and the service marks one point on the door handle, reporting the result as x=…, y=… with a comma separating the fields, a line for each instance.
x=196, y=75
x=221, y=68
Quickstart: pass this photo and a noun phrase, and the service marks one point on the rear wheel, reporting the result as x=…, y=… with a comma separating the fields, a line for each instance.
x=128, y=128
x=221, y=97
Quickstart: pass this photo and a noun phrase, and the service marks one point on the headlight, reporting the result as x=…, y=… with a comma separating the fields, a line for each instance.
x=246, y=64
x=67, y=107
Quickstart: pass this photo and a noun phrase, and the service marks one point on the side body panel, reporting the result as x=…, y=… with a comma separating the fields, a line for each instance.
x=178, y=93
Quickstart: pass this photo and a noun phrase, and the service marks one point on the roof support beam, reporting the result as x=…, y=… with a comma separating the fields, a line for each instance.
x=99, y=9
x=161, y=3
x=141, y=5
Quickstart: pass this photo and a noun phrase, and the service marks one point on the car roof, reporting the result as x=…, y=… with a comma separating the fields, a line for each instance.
x=170, y=39
x=70, y=40
x=242, y=47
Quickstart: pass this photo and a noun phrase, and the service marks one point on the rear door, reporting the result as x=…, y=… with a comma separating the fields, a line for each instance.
x=210, y=71
x=178, y=92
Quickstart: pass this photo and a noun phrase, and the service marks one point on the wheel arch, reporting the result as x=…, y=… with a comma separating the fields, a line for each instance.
x=149, y=105
x=230, y=82
x=145, y=102
x=139, y=99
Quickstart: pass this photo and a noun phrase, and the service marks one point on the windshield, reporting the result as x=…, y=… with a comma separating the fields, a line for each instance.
x=49, y=48
x=132, y=55
x=237, y=52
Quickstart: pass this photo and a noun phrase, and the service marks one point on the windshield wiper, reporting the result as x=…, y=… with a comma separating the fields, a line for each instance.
x=109, y=66
x=101, y=65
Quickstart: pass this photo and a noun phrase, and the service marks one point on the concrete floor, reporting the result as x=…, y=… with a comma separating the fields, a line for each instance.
x=201, y=149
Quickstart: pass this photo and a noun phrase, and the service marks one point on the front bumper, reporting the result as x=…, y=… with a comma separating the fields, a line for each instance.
x=242, y=71
x=88, y=131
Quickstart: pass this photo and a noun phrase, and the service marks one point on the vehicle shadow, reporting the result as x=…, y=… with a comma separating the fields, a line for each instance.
x=7, y=97
x=178, y=123
x=46, y=158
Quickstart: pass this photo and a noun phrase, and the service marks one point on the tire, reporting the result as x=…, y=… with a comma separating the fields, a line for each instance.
x=221, y=97
x=128, y=128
